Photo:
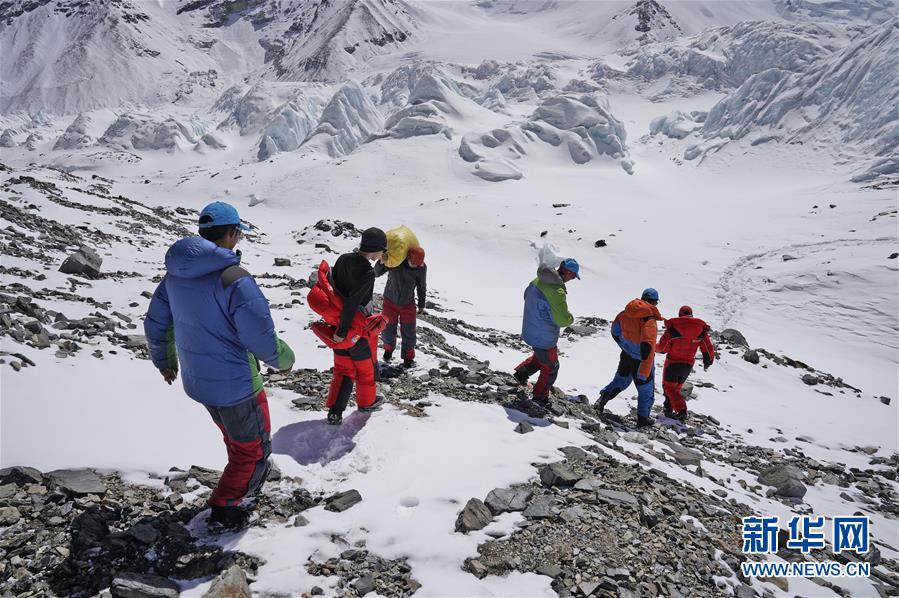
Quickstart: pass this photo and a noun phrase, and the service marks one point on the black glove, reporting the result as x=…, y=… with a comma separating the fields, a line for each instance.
x=645, y=350
x=706, y=361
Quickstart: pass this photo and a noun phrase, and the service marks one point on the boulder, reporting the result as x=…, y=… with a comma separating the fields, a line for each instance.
x=208, y=477
x=785, y=478
x=734, y=337
x=616, y=497
x=77, y=482
x=135, y=585
x=474, y=516
x=541, y=508
x=20, y=476
x=342, y=501
x=558, y=474
x=524, y=427
x=85, y=262
x=508, y=500
x=232, y=583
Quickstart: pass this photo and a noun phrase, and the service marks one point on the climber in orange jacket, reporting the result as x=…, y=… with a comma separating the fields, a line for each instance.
x=635, y=331
x=683, y=336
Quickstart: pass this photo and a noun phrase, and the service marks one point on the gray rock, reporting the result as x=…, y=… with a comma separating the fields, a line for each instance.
x=208, y=477
x=752, y=356
x=616, y=497
x=810, y=379
x=683, y=455
x=77, y=482
x=549, y=570
x=648, y=516
x=342, y=501
x=282, y=261
x=558, y=474
x=144, y=533
x=8, y=516
x=477, y=568
x=508, y=500
x=582, y=330
x=541, y=508
x=232, y=583
x=779, y=473
x=474, y=516
x=300, y=521
x=364, y=585
x=744, y=591
x=786, y=480
x=734, y=337
x=524, y=428
x=85, y=261
x=792, y=489
x=589, y=484
x=303, y=402
x=20, y=475
x=587, y=588
x=135, y=585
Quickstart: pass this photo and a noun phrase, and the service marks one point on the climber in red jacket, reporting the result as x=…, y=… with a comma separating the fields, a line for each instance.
x=683, y=336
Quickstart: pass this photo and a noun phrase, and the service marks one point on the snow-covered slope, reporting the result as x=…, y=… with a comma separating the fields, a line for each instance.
x=490, y=128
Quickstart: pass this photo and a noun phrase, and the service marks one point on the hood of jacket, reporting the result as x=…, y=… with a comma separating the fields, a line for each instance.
x=639, y=309
x=194, y=257
x=549, y=276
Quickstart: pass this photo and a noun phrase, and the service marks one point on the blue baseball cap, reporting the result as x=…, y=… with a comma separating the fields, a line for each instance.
x=571, y=265
x=650, y=294
x=219, y=213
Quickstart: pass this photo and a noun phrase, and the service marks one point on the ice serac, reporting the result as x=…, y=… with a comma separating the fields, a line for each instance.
x=582, y=119
x=432, y=99
x=329, y=39
x=289, y=129
x=847, y=102
x=348, y=120
x=727, y=56
x=136, y=131
x=675, y=124
x=76, y=136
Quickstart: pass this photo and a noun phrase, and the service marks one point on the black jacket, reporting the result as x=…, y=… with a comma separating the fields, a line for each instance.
x=354, y=279
x=403, y=282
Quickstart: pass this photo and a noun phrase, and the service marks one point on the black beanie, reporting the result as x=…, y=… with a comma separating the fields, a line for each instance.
x=373, y=239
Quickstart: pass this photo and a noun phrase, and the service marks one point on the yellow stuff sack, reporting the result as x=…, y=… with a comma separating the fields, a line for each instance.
x=399, y=241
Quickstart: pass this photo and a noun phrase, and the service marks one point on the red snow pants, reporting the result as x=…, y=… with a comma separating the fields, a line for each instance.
x=673, y=378
x=354, y=365
x=546, y=361
x=405, y=317
x=246, y=428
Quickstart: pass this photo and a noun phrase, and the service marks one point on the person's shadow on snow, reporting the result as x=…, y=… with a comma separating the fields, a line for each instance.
x=517, y=417
x=315, y=441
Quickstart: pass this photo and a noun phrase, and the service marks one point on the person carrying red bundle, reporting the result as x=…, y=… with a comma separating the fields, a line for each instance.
x=343, y=297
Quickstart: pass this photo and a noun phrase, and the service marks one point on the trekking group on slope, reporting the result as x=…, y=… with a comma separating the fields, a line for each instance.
x=634, y=330
x=209, y=319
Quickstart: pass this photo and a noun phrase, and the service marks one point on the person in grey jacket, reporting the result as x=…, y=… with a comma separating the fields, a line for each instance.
x=399, y=309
